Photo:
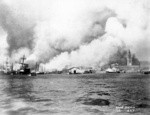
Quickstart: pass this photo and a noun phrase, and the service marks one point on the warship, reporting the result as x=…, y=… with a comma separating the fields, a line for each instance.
x=18, y=68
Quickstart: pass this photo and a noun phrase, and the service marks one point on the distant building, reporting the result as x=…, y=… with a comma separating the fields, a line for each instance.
x=76, y=70
x=112, y=70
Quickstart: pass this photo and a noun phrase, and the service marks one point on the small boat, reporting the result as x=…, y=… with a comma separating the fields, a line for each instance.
x=146, y=72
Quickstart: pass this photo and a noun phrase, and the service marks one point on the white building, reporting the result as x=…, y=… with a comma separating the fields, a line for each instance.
x=76, y=70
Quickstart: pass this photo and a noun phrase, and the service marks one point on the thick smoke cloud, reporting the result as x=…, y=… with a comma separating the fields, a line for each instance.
x=19, y=31
x=66, y=33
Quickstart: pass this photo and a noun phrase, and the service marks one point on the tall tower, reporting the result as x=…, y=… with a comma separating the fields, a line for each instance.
x=129, y=58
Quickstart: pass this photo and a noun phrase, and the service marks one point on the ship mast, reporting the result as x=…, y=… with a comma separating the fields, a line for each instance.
x=22, y=60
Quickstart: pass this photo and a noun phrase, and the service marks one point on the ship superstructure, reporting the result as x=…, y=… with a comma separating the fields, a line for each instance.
x=24, y=68
x=17, y=68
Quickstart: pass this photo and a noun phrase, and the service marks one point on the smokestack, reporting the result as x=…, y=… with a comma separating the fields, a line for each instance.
x=129, y=58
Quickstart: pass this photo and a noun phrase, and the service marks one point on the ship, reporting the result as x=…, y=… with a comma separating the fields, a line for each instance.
x=24, y=68
x=145, y=71
x=17, y=68
x=6, y=68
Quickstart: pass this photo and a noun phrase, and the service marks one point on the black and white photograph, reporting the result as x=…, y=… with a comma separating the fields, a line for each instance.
x=74, y=57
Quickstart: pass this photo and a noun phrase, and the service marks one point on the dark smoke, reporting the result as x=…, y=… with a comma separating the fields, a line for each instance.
x=20, y=33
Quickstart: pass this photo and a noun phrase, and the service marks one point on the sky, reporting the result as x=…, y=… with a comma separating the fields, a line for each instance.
x=67, y=33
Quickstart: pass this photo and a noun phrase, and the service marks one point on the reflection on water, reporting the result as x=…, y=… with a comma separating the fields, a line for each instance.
x=99, y=94
x=19, y=88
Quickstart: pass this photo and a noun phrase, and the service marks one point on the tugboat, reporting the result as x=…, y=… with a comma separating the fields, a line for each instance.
x=146, y=71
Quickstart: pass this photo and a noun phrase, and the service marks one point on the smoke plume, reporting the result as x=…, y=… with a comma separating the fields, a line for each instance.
x=60, y=34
